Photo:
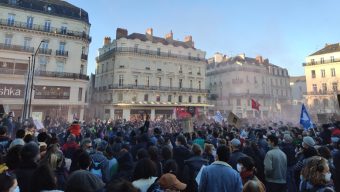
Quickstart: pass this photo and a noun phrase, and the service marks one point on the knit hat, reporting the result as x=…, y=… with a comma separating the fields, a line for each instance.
x=29, y=151
x=235, y=143
x=309, y=141
x=288, y=138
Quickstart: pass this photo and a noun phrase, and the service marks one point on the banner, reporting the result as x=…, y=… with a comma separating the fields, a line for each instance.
x=234, y=120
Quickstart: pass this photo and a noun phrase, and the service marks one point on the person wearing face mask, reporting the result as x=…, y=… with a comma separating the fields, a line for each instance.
x=246, y=168
x=8, y=182
x=315, y=176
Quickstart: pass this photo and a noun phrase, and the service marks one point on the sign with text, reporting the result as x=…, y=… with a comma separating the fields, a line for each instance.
x=51, y=92
x=11, y=91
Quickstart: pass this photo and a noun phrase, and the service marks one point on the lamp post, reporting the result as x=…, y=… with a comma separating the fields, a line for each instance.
x=32, y=78
x=24, y=115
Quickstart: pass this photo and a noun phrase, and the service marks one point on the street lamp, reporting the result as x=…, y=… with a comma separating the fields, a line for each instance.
x=24, y=115
x=32, y=78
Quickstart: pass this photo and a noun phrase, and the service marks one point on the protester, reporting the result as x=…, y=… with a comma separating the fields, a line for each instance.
x=29, y=162
x=236, y=152
x=316, y=176
x=8, y=182
x=246, y=168
x=181, y=153
x=275, y=166
x=209, y=151
x=220, y=176
x=44, y=180
x=169, y=183
x=144, y=174
x=191, y=168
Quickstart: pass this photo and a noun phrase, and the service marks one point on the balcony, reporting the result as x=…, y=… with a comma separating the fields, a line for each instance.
x=84, y=56
x=320, y=63
x=146, y=52
x=16, y=48
x=158, y=88
x=45, y=74
x=45, y=51
x=61, y=53
x=43, y=28
x=320, y=92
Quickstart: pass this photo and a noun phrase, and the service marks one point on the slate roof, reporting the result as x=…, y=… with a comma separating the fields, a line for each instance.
x=328, y=49
x=155, y=39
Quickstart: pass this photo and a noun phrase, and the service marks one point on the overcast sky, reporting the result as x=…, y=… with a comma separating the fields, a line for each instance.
x=284, y=31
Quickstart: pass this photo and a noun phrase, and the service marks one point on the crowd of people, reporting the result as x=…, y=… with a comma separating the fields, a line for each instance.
x=149, y=156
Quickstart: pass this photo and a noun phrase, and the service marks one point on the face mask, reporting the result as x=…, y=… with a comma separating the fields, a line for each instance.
x=328, y=177
x=214, y=153
x=239, y=168
x=16, y=189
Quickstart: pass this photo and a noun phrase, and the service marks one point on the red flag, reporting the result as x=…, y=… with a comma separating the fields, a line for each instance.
x=255, y=105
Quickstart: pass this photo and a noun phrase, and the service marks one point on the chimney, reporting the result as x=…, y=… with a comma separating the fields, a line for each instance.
x=218, y=57
x=259, y=59
x=169, y=36
x=120, y=33
x=266, y=61
x=149, y=34
x=107, y=41
x=188, y=41
x=243, y=56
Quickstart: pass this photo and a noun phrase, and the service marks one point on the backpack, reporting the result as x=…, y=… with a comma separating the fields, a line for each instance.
x=96, y=169
x=155, y=187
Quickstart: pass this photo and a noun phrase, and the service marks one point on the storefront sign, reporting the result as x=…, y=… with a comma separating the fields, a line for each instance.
x=11, y=91
x=51, y=92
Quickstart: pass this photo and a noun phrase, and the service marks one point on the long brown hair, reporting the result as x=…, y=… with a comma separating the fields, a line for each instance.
x=313, y=171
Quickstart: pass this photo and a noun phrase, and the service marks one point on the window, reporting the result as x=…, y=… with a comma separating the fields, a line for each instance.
x=255, y=80
x=315, y=88
x=169, y=98
x=325, y=102
x=190, y=99
x=27, y=43
x=190, y=84
x=147, y=83
x=102, y=68
x=180, y=83
x=81, y=69
x=80, y=94
x=29, y=23
x=60, y=67
x=316, y=102
x=199, y=71
x=121, y=80
x=170, y=82
x=134, y=98
x=312, y=61
x=44, y=46
x=238, y=102
x=180, y=99
x=159, y=81
x=322, y=60
x=63, y=29
x=146, y=97
x=12, y=2
x=158, y=51
x=333, y=72
x=62, y=47
x=332, y=59
x=158, y=98
x=199, y=85
x=323, y=73
x=248, y=102
x=180, y=69
x=120, y=96
x=42, y=63
x=136, y=47
x=47, y=26
x=335, y=87
x=324, y=87
x=136, y=80
x=313, y=74
x=10, y=19
x=8, y=40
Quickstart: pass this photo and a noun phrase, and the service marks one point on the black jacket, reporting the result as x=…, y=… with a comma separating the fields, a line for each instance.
x=234, y=157
x=24, y=175
x=191, y=168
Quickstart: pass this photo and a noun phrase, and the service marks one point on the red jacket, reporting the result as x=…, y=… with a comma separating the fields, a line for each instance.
x=74, y=129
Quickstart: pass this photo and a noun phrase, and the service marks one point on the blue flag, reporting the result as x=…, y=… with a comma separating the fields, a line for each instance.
x=305, y=120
